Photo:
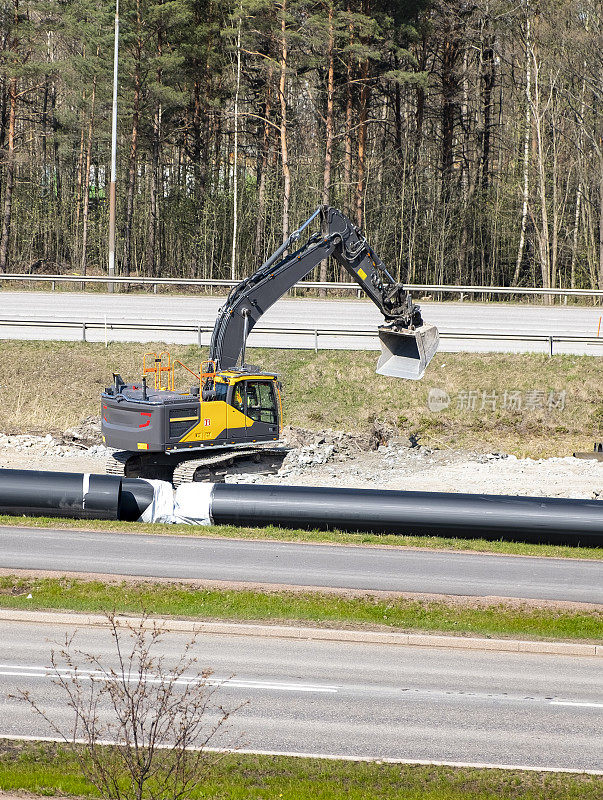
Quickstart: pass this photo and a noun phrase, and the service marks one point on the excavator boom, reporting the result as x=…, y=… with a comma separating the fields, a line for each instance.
x=407, y=343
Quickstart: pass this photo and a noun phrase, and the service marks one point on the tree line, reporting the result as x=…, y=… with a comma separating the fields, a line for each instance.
x=465, y=138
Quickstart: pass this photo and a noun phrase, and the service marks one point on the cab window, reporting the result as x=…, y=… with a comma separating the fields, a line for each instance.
x=221, y=391
x=238, y=397
x=261, y=405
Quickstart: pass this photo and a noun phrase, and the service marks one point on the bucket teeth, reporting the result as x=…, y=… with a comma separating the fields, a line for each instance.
x=405, y=353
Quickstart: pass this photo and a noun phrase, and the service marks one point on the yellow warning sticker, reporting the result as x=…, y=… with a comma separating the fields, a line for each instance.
x=361, y=273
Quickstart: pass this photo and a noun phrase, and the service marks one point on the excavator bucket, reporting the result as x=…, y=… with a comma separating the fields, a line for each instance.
x=406, y=353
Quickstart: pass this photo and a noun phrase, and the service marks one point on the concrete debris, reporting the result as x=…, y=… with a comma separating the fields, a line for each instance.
x=51, y=446
x=343, y=443
x=400, y=465
x=87, y=433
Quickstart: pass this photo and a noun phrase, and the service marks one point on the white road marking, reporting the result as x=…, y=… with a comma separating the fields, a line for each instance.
x=18, y=671
x=574, y=703
x=26, y=671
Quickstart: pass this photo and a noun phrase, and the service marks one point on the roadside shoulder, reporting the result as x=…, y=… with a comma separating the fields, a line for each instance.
x=304, y=633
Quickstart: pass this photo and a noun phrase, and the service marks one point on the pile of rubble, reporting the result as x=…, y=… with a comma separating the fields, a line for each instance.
x=312, y=448
x=87, y=433
x=50, y=446
x=85, y=439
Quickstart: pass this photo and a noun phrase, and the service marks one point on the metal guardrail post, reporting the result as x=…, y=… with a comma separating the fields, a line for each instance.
x=83, y=331
x=550, y=346
x=316, y=341
x=199, y=336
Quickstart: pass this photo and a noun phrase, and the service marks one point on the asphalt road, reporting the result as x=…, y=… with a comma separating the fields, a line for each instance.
x=359, y=315
x=332, y=698
x=370, y=568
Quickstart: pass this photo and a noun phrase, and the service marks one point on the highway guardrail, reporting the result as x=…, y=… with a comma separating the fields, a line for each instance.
x=212, y=283
x=314, y=334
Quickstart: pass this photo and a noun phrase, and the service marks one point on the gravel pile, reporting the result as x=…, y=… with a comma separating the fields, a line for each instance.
x=50, y=446
x=87, y=433
x=408, y=466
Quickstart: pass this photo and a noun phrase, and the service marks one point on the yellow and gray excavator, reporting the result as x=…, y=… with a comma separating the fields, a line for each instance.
x=233, y=412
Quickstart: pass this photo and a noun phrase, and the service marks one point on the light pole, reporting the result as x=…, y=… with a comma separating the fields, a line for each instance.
x=113, y=153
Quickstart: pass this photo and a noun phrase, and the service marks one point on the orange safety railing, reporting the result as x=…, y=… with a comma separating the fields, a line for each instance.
x=208, y=372
x=161, y=366
x=192, y=371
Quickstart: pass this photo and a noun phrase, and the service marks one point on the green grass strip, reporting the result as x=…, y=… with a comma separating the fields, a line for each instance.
x=181, y=600
x=47, y=769
x=298, y=535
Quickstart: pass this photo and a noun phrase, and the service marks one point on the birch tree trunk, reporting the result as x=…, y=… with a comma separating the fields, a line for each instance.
x=283, y=99
x=526, y=153
x=129, y=210
x=235, y=194
x=263, y=163
x=326, y=178
x=362, y=125
x=9, y=183
x=86, y=182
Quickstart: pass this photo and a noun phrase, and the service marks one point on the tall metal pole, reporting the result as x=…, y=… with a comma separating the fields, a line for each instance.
x=113, y=153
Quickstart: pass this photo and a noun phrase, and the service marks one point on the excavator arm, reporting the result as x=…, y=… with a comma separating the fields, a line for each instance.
x=407, y=343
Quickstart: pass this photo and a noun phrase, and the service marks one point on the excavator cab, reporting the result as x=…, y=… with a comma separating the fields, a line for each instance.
x=406, y=352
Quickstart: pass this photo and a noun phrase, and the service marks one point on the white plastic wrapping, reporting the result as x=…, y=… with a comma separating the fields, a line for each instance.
x=189, y=504
x=85, y=487
x=161, y=509
x=192, y=504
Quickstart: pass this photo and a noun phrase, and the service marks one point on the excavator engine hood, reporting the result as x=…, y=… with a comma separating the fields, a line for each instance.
x=406, y=352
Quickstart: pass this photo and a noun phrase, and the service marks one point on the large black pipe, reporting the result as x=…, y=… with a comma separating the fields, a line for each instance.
x=59, y=494
x=528, y=519
x=136, y=496
x=73, y=494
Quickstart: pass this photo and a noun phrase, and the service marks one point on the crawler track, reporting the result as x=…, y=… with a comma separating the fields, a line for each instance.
x=212, y=467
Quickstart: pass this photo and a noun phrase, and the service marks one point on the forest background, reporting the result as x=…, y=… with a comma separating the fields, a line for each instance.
x=465, y=138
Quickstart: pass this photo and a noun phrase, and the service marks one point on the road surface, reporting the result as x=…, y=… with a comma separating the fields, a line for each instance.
x=359, y=315
x=335, y=566
x=333, y=698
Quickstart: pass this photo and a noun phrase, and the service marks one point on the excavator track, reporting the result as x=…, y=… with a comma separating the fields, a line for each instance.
x=155, y=466
x=211, y=468
x=214, y=468
x=116, y=463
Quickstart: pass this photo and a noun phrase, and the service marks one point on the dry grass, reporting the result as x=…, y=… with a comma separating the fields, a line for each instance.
x=49, y=386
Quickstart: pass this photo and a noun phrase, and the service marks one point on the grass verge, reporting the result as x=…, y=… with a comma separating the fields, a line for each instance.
x=275, y=533
x=514, y=620
x=340, y=390
x=47, y=769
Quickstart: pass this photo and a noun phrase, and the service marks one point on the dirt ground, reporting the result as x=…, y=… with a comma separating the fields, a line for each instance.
x=334, y=459
x=379, y=460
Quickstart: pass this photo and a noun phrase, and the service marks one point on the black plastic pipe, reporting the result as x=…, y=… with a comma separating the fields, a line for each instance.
x=136, y=496
x=60, y=494
x=528, y=519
